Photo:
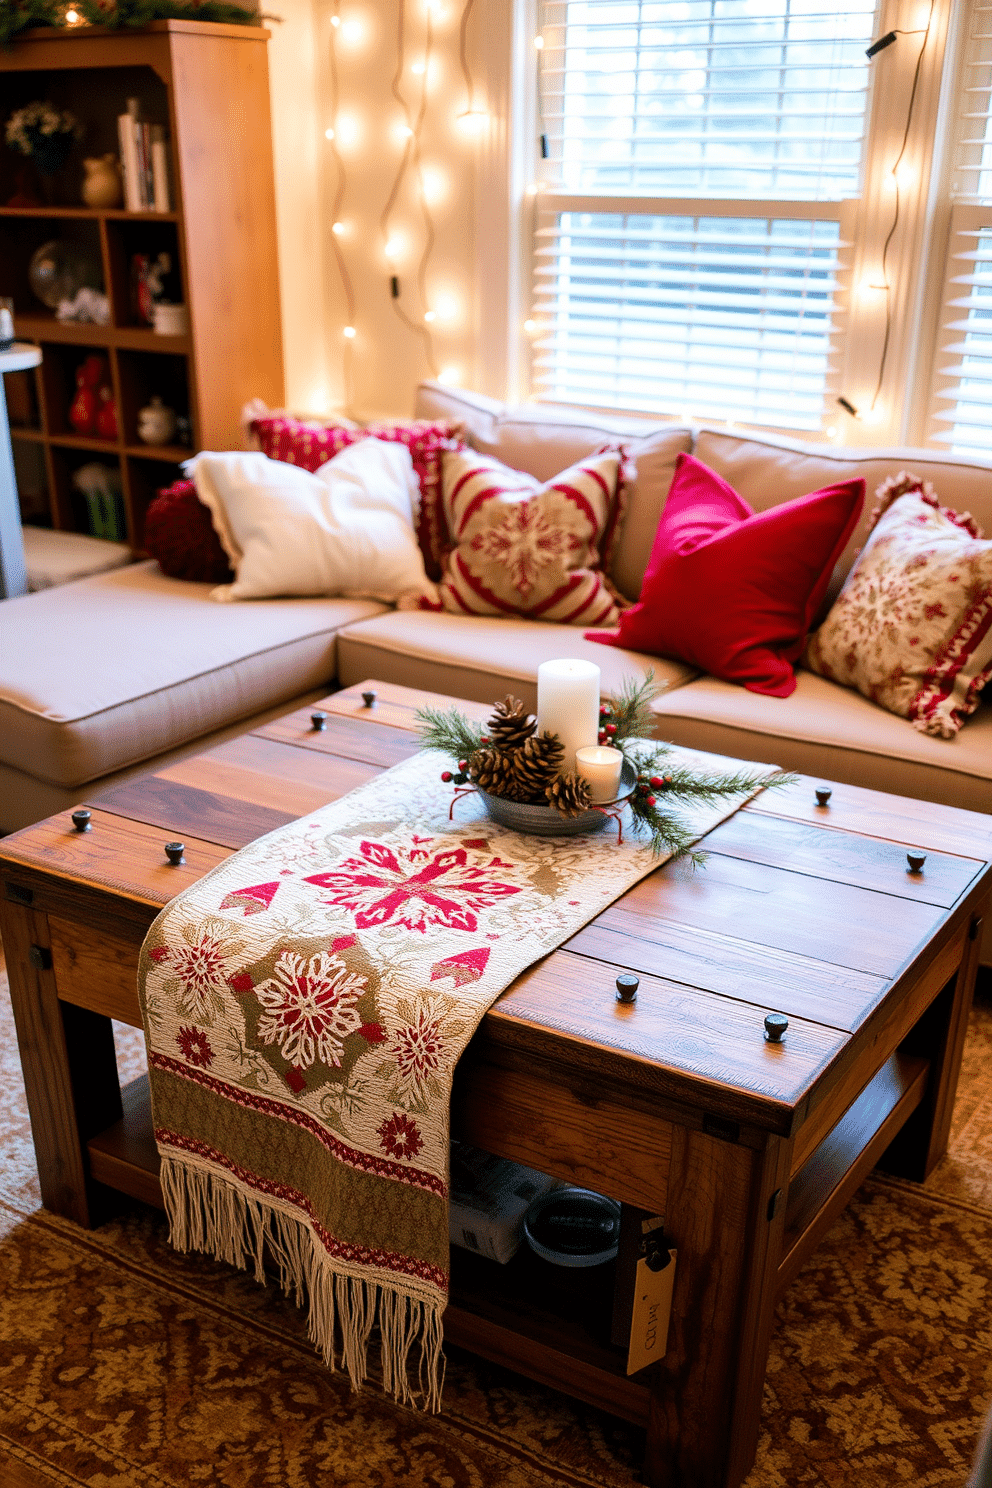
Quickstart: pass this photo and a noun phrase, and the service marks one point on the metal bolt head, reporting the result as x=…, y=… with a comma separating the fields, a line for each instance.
x=81, y=820
x=775, y=1026
x=174, y=852
x=317, y=720
x=823, y=794
x=627, y=986
x=916, y=861
x=368, y=698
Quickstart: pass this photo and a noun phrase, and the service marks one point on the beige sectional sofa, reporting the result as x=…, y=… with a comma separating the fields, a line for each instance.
x=101, y=678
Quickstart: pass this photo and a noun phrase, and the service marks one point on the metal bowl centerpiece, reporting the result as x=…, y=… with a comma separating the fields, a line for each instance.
x=548, y=821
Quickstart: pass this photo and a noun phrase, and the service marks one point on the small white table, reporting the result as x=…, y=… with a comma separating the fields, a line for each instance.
x=13, y=576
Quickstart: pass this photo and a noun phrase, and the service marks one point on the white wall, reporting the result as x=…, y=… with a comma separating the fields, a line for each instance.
x=432, y=229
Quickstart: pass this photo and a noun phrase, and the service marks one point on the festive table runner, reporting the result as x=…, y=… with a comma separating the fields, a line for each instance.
x=305, y=1004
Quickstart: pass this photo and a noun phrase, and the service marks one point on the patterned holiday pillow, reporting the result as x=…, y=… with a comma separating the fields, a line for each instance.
x=180, y=534
x=912, y=627
x=310, y=445
x=523, y=548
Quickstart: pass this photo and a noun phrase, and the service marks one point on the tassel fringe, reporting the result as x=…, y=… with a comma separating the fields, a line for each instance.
x=209, y=1213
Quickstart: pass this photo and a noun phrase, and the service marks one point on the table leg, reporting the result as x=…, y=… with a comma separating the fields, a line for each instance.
x=728, y=1228
x=69, y=1065
x=940, y=1036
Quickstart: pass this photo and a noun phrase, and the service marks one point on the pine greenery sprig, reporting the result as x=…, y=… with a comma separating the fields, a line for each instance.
x=627, y=714
x=20, y=15
x=449, y=733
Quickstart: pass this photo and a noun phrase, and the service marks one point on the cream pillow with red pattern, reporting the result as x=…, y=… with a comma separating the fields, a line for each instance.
x=912, y=627
x=529, y=549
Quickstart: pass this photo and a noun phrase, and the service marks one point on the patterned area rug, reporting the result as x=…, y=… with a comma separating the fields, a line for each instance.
x=123, y=1365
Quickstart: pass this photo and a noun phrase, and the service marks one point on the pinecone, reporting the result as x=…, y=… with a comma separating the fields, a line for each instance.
x=568, y=794
x=510, y=724
x=536, y=764
x=492, y=771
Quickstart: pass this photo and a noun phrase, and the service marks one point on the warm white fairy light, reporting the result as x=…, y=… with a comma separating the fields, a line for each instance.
x=434, y=184
x=335, y=21
x=446, y=307
x=328, y=133
x=339, y=228
x=450, y=374
x=348, y=131
x=539, y=43
x=418, y=68
x=393, y=248
x=473, y=121
x=530, y=326
x=430, y=315
x=353, y=32
x=349, y=333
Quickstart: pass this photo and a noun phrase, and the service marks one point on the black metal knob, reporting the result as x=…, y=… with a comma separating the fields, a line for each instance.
x=627, y=986
x=823, y=794
x=81, y=820
x=775, y=1026
x=174, y=852
x=916, y=861
x=317, y=720
x=368, y=698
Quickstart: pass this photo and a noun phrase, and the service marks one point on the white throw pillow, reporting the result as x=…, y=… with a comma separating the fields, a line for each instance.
x=345, y=530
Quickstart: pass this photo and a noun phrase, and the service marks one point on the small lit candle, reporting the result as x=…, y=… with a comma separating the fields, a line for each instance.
x=600, y=768
x=568, y=704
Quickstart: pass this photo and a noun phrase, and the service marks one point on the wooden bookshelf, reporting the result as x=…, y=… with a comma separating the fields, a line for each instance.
x=208, y=85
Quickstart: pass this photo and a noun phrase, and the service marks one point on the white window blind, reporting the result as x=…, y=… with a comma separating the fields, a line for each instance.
x=962, y=395
x=675, y=267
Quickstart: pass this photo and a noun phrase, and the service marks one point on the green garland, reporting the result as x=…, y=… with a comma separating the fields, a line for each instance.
x=625, y=719
x=20, y=15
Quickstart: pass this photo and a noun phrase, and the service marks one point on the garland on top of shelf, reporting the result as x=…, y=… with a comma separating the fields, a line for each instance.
x=510, y=759
x=19, y=15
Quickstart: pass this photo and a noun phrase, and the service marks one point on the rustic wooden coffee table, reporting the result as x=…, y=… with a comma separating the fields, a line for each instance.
x=676, y=1105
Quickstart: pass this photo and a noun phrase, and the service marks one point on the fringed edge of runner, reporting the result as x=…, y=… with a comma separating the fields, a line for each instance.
x=208, y=1212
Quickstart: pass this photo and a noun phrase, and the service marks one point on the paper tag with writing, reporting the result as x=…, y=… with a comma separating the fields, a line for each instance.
x=652, y=1307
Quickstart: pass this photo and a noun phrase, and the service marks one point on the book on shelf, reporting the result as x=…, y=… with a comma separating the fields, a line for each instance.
x=144, y=162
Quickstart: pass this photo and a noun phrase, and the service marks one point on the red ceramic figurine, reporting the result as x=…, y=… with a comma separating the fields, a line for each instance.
x=93, y=395
x=106, y=418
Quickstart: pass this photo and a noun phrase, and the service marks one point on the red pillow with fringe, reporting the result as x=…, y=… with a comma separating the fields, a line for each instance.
x=180, y=534
x=312, y=445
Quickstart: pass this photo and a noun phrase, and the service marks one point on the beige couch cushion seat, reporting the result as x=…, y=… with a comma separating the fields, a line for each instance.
x=834, y=733
x=137, y=663
x=480, y=658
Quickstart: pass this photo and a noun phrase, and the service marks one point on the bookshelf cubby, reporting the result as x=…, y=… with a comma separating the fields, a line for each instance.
x=208, y=86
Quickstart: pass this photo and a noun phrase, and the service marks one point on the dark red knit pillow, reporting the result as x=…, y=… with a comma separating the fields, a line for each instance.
x=180, y=534
x=282, y=437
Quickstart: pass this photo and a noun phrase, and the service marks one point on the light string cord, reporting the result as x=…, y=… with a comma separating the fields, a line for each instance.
x=463, y=54
x=347, y=355
x=895, y=216
x=411, y=150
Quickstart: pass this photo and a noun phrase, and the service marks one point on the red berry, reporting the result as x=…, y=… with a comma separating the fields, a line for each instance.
x=611, y=728
x=649, y=800
x=446, y=776
x=484, y=739
x=657, y=782
x=602, y=737
x=604, y=711
x=463, y=764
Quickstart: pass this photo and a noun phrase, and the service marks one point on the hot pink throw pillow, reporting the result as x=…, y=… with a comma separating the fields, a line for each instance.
x=733, y=591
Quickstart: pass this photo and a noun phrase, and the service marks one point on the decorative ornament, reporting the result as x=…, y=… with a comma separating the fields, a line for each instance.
x=102, y=183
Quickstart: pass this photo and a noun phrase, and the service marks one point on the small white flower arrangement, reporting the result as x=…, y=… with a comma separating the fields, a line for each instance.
x=43, y=131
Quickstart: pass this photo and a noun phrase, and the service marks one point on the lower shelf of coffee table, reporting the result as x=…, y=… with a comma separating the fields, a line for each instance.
x=554, y=1328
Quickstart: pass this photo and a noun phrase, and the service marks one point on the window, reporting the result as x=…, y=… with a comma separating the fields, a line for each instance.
x=961, y=415
x=733, y=218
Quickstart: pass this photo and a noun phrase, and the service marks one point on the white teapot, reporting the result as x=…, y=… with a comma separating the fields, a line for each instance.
x=156, y=423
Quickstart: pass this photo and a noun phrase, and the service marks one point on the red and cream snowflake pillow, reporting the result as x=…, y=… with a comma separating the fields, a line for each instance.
x=525, y=548
x=912, y=627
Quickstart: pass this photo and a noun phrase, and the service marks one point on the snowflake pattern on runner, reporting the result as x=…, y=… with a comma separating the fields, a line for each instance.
x=384, y=886
x=310, y=1008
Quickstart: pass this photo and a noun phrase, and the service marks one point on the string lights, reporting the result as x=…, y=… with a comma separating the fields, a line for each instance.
x=412, y=182
x=900, y=176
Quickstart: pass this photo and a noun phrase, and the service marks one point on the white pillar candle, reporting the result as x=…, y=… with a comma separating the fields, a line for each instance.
x=600, y=768
x=568, y=704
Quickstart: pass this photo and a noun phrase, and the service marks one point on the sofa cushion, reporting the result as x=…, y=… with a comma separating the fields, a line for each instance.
x=523, y=548
x=832, y=733
x=345, y=529
x=544, y=439
x=731, y=591
x=912, y=627
x=768, y=470
x=135, y=662
x=282, y=437
x=180, y=534
x=475, y=657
